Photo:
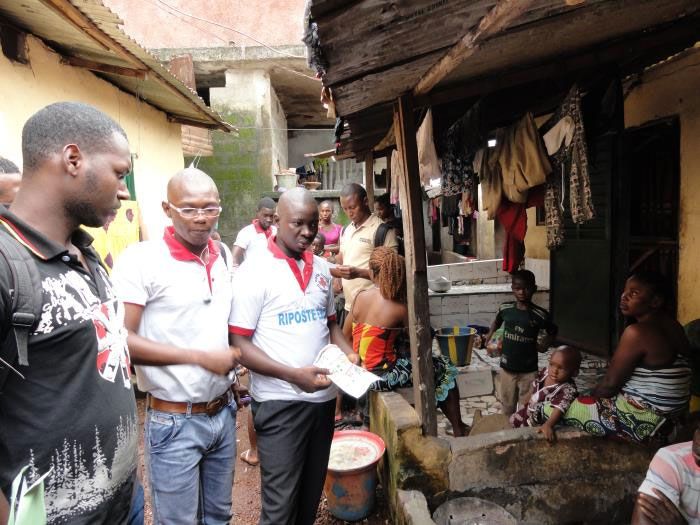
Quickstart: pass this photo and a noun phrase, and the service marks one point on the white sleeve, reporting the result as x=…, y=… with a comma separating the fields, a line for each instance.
x=330, y=305
x=128, y=276
x=247, y=303
x=243, y=238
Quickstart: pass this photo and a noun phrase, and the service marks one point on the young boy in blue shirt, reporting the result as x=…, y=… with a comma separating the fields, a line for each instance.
x=522, y=321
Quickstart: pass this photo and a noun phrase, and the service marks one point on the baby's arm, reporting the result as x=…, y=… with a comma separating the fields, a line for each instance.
x=547, y=429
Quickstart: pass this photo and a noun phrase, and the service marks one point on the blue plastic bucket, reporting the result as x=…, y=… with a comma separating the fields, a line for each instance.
x=456, y=344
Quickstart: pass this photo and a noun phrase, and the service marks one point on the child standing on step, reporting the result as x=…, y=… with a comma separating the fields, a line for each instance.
x=522, y=321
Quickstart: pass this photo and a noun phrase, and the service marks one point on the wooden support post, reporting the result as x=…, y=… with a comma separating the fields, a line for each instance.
x=388, y=173
x=369, y=179
x=416, y=267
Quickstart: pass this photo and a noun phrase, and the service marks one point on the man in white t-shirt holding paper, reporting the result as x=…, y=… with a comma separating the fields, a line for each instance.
x=254, y=237
x=283, y=315
x=177, y=297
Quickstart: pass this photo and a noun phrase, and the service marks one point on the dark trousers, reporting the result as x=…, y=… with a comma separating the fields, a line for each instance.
x=294, y=442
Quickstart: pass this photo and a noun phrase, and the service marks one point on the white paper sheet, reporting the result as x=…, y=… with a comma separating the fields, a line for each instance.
x=351, y=379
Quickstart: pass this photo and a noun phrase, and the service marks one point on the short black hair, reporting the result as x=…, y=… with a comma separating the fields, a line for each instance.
x=7, y=166
x=525, y=276
x=658, y=283
x=266, y=202
x=383, y=199
x=320, y=237
x=353, y=189
x=51, y=128
x=570, y=352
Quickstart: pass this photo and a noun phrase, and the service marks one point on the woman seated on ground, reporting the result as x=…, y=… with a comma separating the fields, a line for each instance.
x=647, y=385
x=378, y=318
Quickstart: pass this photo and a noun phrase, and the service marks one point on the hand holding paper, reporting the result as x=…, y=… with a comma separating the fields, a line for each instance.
x=350, y=378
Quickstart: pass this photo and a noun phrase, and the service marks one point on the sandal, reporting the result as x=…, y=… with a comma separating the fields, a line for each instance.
x=244, y=456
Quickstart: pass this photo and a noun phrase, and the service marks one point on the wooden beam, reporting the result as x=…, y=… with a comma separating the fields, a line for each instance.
x=369, y=179
x=105, y=68
x=416, y=268
x=631, y=54
x=199, y=124
x=504, y=13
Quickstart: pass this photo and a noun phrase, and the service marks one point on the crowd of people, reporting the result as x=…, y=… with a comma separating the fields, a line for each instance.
x=190, y=316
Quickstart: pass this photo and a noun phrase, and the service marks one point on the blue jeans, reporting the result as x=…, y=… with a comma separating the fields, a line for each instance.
x=190, y=462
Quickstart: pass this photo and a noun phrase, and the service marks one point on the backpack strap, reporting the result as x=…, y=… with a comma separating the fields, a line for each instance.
x=380, y=234
x=222, y=251
x=26, y=297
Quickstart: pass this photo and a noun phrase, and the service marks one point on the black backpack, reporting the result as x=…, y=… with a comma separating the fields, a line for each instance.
x=381, y=233
x=25, y=291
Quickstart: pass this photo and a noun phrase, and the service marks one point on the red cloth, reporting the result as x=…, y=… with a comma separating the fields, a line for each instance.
x=513, y=217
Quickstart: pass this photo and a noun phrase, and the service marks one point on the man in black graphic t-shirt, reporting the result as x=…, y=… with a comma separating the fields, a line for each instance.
x=73, y=416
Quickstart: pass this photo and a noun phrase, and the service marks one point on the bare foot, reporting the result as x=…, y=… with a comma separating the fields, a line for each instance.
x=250, y=456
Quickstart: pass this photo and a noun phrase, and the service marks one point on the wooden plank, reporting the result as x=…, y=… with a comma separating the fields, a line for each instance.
x=369, y=179
x=503, y=14
x=631, y=55
x=384, y=34
x=104, y=68
x=416, y=268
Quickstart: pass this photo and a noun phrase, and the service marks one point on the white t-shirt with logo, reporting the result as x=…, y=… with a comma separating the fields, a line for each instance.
x=181, y=307
x=253, y=239
x=284, y=307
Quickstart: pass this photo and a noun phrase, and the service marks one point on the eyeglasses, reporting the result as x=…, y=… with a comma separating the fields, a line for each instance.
x=191, y=213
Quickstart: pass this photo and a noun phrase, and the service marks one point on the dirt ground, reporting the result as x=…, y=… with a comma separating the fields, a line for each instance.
x=246, y=487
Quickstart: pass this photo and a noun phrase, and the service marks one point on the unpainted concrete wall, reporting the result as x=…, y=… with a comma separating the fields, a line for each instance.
x=154, y=141
x=301, y=142
x=243, y=165
x=668, y=90
x=580, y=479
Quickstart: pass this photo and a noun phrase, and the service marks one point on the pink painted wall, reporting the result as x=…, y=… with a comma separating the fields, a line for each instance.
x=154, y=25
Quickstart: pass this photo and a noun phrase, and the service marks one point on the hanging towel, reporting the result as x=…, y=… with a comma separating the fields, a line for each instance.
x=428, y=163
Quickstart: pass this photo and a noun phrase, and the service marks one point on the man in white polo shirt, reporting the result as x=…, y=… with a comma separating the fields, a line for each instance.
x=357, y=242
x=177, y=294
x=283, y=315
x=254, y=237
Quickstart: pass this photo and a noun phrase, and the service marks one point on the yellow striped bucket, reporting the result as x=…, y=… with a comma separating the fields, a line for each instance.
x=456, y=344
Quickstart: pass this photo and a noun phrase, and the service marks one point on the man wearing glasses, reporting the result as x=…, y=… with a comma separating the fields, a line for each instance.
x=177, y=295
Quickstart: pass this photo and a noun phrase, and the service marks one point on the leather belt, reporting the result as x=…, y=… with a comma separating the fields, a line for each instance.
x=180, y=407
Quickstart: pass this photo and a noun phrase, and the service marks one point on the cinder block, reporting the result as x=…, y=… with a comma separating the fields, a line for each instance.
x=462, y=271
x=475, y=383
x=438, y=271
x=485, y=269
x=482, y=303
x=436, y=321
x=455, y=304
x=454, y=320
x=435, y=305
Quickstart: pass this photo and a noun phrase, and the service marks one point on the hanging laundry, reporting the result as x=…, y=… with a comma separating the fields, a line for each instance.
x=513, y=218
x=397, y=175
x=523, y=159
x=490, y=177
x=328, y=101
x=314, y=53
x=428, y=162
x=559, y=136
x=569, y=161
x=460, y=142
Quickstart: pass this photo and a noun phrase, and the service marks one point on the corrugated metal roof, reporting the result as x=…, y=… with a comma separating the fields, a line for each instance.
x=89, y=35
